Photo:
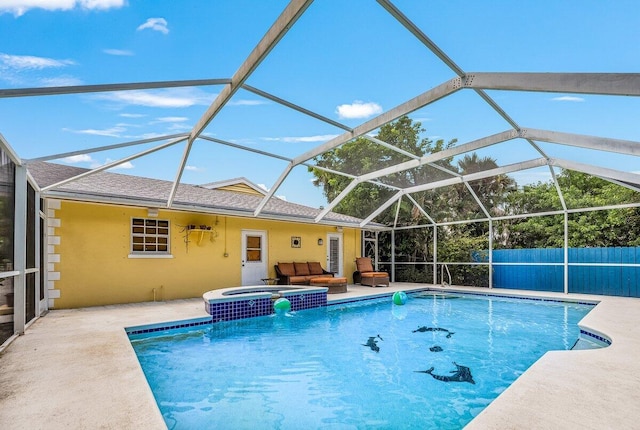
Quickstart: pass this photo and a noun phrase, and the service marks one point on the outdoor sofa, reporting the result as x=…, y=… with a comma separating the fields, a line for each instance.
x=299, y=273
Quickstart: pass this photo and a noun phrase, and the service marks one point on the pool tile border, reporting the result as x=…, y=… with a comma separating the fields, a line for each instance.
x=243, y=309
x=469, y=293
x=306, y=301
x=153, y=328
x=239, y=309
x=601, y=339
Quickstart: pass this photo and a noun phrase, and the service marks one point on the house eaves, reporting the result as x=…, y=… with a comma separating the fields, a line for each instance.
x=116, y=188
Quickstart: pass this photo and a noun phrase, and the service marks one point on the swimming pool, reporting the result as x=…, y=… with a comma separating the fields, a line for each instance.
x=358, y=365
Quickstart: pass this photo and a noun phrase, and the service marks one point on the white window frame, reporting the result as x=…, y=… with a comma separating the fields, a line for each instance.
x=149, y=236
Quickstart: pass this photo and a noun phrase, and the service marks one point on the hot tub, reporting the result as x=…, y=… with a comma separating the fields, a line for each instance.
x=235, y=303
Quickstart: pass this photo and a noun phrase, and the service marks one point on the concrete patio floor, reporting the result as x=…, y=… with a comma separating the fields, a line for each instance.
x=75, y=369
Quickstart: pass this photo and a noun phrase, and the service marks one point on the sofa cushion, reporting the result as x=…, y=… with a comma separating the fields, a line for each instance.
x=302, y=269
x=328, y=280
x=287, y=269
x=298, y=279
x=364, y=264
x=375, y=275
x=315, y=268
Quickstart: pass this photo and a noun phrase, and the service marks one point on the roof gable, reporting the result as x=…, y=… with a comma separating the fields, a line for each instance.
x=236, y=185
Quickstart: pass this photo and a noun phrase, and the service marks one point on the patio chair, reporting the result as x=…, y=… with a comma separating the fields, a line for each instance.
x=366, y=275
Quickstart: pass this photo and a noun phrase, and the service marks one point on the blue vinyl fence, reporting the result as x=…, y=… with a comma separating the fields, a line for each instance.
x=617, y=278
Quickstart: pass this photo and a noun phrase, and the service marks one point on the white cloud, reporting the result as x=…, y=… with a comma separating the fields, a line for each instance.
x=118, y=52
x=157, y=24
x=296, y=139
x=264, y=187
x=358, y=109
x=60, y=81
x=168, y=98
x=127, y=125
x=19, y=7
x=24, y=70
x=125, y=165
x=143, y=98
x=86, y=158
x=132, y=115
x=174, y=123
x=29, y=62
x=568, y=99
x=193, y=168
x=527, y=177
x=112, y=132
x=179, y=127
x=150, y=135
x=247, y=102
x=82, y=158
x=172, y=119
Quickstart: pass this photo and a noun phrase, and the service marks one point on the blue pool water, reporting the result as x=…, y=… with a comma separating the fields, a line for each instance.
x=353, y=366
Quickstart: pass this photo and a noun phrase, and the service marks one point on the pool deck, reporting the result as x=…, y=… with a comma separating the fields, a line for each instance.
x=76, y=369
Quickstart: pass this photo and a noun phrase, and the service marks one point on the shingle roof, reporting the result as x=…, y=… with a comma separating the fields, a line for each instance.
x=108, y=187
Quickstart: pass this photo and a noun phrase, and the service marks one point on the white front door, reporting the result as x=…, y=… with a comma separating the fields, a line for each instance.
x=254, y=257
x=334, y=253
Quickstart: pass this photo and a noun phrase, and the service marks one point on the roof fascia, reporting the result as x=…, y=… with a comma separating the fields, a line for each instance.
x=138, y=203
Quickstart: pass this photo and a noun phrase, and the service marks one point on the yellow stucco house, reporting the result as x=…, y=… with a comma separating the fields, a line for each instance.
x=112, y=240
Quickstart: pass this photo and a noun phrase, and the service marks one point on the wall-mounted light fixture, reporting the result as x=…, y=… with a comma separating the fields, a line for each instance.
x=296, y=242
x=320, y=241
x=152, y=212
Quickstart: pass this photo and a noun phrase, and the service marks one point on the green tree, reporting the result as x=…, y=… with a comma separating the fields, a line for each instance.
x=451, y=203
x=492, y=191
x=616, y=227
x=362, y=156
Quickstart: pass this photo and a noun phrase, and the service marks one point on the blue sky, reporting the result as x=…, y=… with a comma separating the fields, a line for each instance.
x=346, y=60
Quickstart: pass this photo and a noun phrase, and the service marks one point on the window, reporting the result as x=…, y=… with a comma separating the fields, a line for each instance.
x=254, y=248
x=149, y=236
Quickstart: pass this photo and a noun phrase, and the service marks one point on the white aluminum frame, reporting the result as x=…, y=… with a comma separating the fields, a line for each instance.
x=612, y=84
